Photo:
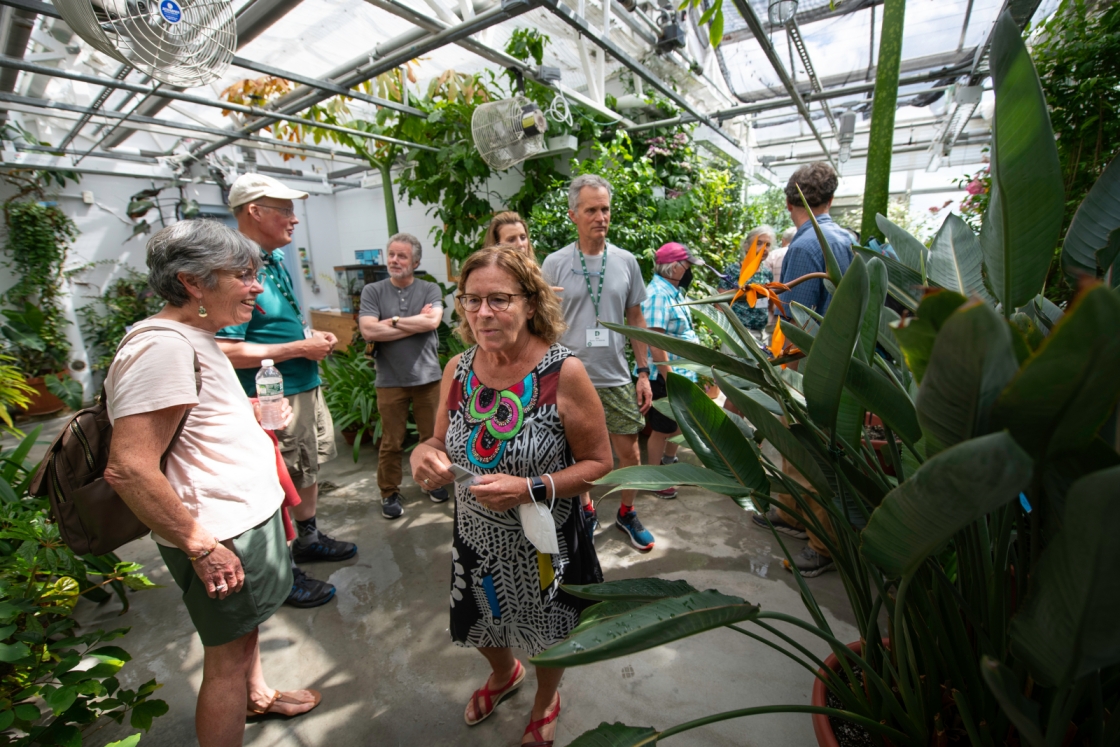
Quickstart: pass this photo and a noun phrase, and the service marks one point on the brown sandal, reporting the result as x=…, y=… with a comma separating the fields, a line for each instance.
x=277, y=696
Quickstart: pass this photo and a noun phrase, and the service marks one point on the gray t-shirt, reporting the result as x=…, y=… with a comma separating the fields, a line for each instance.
x=414, y=360
x=624, y=288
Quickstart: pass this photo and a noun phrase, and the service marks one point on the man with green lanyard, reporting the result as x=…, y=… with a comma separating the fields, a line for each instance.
x=278, y=330
x=591, y=295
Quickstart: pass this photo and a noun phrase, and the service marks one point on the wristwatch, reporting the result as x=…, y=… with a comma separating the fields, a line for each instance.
x=540, y=490
x=395, y=320
x=642, y=370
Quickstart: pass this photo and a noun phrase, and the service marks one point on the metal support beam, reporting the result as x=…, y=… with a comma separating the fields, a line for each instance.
x=747, y=12
x=566, y=15
x=374, y=67
x=793, y=33
x=11, y=63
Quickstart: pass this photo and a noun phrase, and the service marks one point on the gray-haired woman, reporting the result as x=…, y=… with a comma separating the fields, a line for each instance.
x=214, y=509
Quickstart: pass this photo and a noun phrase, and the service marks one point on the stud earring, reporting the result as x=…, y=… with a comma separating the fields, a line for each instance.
x=202, y=311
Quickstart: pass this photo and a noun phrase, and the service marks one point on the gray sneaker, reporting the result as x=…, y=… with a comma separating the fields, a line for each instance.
x=391, y=506
x=779, y=525
x=810, y=563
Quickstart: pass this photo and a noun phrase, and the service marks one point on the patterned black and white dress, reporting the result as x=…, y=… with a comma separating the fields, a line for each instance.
x=504, y=592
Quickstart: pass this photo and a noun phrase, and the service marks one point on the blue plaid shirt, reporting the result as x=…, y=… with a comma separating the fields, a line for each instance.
x=805, y=256
x=661, y=311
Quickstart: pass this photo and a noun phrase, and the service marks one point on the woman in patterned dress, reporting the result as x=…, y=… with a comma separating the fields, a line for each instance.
x=521, y=413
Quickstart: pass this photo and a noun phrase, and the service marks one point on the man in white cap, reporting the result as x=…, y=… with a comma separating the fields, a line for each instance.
x=280, y=331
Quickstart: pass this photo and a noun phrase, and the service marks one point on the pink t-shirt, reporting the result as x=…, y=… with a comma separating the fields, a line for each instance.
x=223, y=467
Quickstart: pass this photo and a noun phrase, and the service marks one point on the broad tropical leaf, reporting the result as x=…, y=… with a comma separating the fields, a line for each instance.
x=631, y=589
x=902, y=282
x=1096, y=218
x=659, y=477
x=1027, y=198
x=950, y=491
x=1021, y=711
x=1067, y=627
x=616, y=735
x=834, y=344
x=721, y=328
x=971, y=362
x=955, y=259
x=693, y=351
x=652, y=625
x=877, y=394
x=778, y=436
x=1065, y=392
x=911, y=251
x=717, y=441
x=916, y=334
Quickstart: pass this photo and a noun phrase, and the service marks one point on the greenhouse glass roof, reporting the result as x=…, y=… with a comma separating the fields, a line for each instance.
x=778, y=94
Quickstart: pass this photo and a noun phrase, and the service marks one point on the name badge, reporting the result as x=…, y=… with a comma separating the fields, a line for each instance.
x=307, y=333
x=762, y=303
x=598, y=337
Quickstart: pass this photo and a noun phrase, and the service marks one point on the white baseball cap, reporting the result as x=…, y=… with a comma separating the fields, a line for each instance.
x=249, y=187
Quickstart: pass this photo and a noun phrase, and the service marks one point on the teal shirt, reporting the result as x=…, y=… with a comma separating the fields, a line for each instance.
x=275, y=322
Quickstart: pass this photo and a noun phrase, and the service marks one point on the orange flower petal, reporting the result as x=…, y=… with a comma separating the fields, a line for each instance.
x=751, y=262
x=752, y=296
x=777, y=340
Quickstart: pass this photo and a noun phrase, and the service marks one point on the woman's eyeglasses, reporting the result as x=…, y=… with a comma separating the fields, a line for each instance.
x=248, y=277
x=496, y=301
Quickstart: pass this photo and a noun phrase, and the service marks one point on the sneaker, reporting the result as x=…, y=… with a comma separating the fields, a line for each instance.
x=439, y=495
x=779, y=525
x=391, y=506
x=323, y=548
x=667, y=493
x=308, y=592
x=591, y=518
x=810, y=563
x=640, y=537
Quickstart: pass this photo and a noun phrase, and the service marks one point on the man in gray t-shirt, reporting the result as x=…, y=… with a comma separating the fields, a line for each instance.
x=401, y=315
x=602, y=282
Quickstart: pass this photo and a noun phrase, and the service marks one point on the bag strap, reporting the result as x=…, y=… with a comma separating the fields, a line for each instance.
x=197, y=383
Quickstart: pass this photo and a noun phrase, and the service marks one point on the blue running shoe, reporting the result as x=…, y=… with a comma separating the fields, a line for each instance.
x=640, y=537
x=323, y=548
x=308, y=592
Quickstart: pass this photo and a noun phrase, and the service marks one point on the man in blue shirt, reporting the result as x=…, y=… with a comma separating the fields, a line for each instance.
x=279, y=331
x=818, y=183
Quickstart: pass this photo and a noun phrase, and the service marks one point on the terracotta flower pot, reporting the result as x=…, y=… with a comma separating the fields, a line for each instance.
x=367, y=437
x=43, y=402
x=821, y=726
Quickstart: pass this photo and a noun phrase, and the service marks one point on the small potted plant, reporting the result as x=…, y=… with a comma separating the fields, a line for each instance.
x=351, y=395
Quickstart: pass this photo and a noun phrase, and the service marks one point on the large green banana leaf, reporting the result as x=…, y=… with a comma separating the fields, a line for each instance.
x=877, y=394
x=649, y=626
x=971, y=362
x=1058, y=401
x=717, y=441
x=834, y=344
x=955, y=259
x=950, y=491
x=916, y=334
x=1097, y=216
x=1067, y=626
x=617, y=735
x=1027, y=198
x=910, y=251
x=631, y=589
x=1022, y=711
x=902, y=282
x=851, y=415
x=693, y=351
x=721, y=328
x=659, y=477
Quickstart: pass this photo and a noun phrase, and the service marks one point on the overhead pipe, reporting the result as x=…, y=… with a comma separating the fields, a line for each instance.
x=8, y=62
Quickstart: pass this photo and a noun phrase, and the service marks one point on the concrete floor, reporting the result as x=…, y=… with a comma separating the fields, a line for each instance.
x=382, y=657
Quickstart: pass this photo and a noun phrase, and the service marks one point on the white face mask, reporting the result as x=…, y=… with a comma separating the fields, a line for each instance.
x=540, y=528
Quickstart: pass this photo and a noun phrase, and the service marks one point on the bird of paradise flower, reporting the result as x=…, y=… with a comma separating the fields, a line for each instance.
x=753, y=291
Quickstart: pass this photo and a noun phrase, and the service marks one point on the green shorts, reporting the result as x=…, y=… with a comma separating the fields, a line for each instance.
x=263, y=551
x=620, y=403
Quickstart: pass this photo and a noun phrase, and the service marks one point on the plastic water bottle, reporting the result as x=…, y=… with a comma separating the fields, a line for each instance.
x=270, y=393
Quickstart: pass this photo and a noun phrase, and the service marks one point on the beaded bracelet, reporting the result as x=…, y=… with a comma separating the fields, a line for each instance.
x=203, y=555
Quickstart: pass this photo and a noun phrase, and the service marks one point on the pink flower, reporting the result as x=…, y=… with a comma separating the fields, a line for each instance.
x=975, y=187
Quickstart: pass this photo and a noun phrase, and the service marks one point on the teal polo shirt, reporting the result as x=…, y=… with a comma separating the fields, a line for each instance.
x=275, y=321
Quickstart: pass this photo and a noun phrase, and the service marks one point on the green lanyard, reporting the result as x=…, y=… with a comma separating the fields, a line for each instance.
x=587, y=279
x=284, y=289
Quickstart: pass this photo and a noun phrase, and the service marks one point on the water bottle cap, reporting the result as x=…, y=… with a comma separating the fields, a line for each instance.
x=266, y=362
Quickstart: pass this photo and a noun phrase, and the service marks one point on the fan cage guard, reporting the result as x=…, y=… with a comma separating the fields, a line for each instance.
x=188, y=52
x=508, y=132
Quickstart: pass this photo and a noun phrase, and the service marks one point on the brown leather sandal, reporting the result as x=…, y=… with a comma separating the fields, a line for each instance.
x=256, y=711
x=534, y=727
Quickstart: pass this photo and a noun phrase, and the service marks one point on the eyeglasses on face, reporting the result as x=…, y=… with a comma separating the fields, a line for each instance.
x=287, y=212
x=248, y=277
x=496, y=301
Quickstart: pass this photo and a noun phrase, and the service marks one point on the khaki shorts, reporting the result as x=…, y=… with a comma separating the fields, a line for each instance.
x=309, y=440
x=263, y=551
x=620, y=403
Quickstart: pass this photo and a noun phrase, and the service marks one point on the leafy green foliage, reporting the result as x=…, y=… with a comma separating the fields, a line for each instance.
x=350, y=391
x=55, y=683
x=104, y=321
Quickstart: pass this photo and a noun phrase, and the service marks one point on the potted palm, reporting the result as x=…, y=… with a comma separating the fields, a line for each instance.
x=982, y=575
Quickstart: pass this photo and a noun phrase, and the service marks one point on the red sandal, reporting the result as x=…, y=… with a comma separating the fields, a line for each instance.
x=493, y=697
x=534, y=728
